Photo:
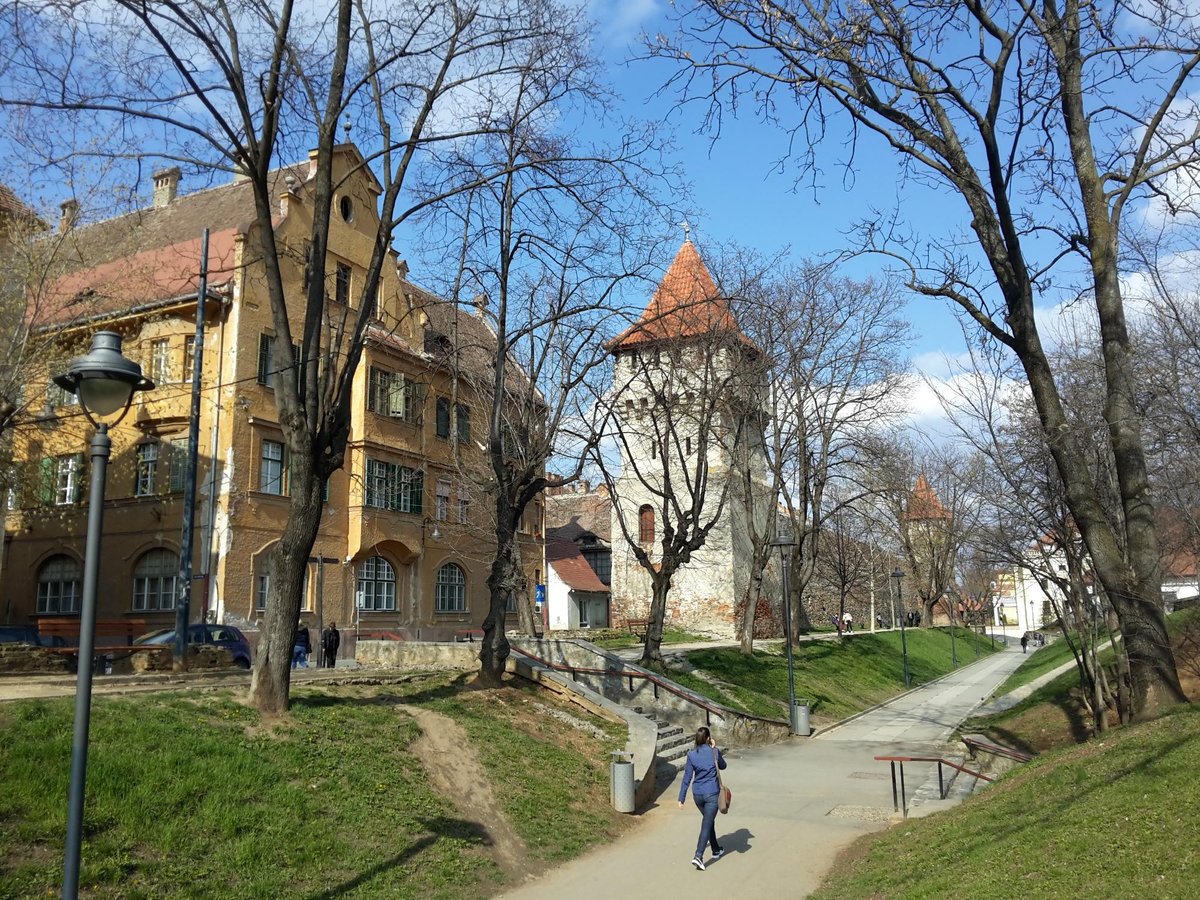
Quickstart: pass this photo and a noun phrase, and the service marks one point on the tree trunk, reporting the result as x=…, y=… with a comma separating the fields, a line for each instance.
x=270, y=685
x=753, y=595
x=502, y=582
x=652, y=651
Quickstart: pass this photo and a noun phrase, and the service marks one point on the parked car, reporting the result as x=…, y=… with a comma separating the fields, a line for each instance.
x=224, y=636
x=28, y=634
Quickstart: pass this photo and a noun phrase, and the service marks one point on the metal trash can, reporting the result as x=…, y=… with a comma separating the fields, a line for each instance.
x=800, y=723
x=621, y=793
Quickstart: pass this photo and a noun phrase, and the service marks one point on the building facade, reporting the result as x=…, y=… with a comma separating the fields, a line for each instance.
x=404, y=543
x=688, y=422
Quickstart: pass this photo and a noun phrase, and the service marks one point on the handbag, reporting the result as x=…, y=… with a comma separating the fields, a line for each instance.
x=724, y=794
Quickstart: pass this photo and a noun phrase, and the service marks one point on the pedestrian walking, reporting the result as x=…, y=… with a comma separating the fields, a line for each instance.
x=301, y=646
x=703, y=761
x=1024, y=642
x=331, y=639
x=837, y=623
x=848, y=622
x=879, y=621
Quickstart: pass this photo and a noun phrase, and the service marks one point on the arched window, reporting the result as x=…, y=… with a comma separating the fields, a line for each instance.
x=154, y=579
x=646, y=524
x=450, y=591
x=58, y=585
x=377, y=581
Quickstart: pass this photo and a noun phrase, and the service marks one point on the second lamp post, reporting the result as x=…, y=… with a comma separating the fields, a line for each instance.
x=898, y=575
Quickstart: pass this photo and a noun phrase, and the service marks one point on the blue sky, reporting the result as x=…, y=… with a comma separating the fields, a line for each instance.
x=743, y=195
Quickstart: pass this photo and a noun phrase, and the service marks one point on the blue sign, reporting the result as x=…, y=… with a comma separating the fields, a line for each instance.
x=539, y=594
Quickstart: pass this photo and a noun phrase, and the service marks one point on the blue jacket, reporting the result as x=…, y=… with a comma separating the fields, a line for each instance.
x=700, y=766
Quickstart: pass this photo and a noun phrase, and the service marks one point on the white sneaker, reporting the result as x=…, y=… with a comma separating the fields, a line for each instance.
x=698, y=863
x=717, y=855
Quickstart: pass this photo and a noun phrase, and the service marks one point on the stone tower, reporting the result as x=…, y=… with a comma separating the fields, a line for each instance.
x=926, y=528
x=689, y=422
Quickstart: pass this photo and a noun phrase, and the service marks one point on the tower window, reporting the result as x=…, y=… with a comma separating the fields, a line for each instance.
x=646, y=524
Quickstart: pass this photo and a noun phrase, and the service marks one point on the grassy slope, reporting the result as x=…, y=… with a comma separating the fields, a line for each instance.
x=1110, y=818
x=838, y=678
x=190, y=795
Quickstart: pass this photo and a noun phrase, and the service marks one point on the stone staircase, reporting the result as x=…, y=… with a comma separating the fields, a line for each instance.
x=670, y=749
x=926, y=798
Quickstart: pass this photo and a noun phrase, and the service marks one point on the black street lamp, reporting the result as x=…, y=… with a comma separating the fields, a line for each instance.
x=784, y=545
x=104, y=381
x=949, y=598
x=903, y=637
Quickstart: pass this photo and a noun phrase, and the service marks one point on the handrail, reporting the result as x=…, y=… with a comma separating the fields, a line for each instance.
x=670, y=688
x=902, y=800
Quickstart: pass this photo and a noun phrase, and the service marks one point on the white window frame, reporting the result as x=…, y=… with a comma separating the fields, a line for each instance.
x=67, y=471
x=376, y=579
x=145, y=480
x=272, y=469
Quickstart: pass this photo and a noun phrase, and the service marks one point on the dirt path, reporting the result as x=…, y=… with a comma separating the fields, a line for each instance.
x=447, y=754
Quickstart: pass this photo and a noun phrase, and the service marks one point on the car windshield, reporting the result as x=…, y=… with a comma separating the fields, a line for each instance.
x=162, y=636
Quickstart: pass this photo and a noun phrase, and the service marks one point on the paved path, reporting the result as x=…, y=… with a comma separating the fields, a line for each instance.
x=796, y=805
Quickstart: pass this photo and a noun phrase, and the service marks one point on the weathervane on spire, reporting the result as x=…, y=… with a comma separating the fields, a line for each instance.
x=687, y=230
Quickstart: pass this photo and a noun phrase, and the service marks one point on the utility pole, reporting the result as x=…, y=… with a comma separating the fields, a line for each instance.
x=184, y=599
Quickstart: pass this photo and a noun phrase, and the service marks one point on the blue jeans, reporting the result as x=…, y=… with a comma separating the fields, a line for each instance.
x=707, y=805
x=299, y=657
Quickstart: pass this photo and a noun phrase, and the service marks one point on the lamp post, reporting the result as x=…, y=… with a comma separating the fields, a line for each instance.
x=104, y=381
x=903, y=637
x=784, y=544
x=950, y=612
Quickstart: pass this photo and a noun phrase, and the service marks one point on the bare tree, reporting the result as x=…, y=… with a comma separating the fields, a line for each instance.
x=833, y=347
x=1046, y=148
x=233, y=87
x=548, y=230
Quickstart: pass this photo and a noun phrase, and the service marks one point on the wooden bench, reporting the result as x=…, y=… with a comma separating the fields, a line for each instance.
x=468, y=635
x=981, y=742
x=638, y=627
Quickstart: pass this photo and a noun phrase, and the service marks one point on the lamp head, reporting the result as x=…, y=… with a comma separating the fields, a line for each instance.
x=103, y=379
x=897, y=574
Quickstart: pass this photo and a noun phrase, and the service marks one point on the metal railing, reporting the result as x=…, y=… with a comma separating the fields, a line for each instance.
x=900, y=800
x=658, y=683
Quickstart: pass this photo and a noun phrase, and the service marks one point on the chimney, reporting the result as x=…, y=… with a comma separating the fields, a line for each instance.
x=70, y=212
x=166, y=186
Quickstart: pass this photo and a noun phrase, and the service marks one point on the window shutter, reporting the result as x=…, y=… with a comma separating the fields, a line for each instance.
x=416, y=392
x=45, y=484
x=462, y=416
x=396, y=396
x=443, y=417
x=417, y=492
x=265, y=368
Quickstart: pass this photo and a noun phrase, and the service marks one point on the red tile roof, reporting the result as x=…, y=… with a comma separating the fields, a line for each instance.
x=568, y=563
x=686, y=304
x=923, y=504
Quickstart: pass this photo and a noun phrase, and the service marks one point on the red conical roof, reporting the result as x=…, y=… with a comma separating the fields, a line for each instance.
x=924, y=504
x=686, y=304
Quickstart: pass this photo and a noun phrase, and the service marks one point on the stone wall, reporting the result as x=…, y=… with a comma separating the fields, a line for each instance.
x=25, y=659
x=417, y=655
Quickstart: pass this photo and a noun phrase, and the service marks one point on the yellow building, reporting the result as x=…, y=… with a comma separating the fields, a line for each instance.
x=405, y=542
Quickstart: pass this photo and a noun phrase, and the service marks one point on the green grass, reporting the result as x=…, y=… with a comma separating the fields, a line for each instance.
x=192, y=795
x=1110, y=818
x=1040, y=661
x=837, y=677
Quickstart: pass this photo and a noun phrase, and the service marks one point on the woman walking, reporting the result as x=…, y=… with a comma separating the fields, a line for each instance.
x=703, y=760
